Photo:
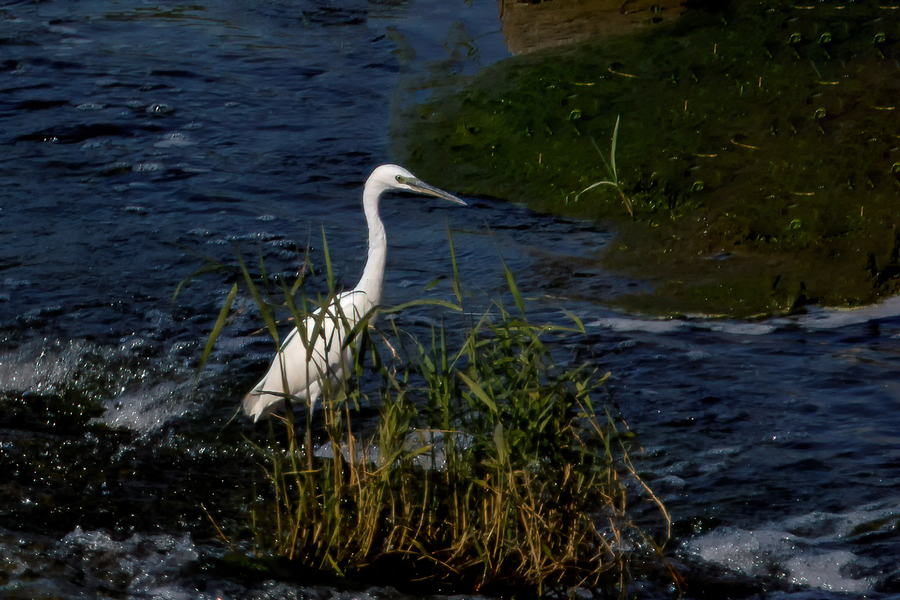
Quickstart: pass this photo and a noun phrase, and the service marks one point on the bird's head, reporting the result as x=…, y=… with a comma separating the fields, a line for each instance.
x=393, y=177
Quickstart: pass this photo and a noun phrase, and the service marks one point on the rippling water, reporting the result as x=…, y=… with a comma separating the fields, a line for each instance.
x=137, y=138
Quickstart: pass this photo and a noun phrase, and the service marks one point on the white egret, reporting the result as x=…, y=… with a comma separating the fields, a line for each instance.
x=316, y=356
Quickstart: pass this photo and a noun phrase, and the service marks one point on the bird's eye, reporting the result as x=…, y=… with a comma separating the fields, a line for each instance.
x=399, y=178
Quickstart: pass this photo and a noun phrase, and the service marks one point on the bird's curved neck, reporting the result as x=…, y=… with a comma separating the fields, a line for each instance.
x=372, y=281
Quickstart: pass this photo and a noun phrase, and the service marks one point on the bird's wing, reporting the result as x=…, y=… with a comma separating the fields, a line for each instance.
x=311, y=357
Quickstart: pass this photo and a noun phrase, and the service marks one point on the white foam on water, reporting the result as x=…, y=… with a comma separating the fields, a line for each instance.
x=739, y=328
x=743, y=551
x=649, y=325
x=148, y=563
x=140, y=395
x=815, y=319
x=802, y=548
x=92, y=564
x=424, y=446
x=39, y=366
x=832, y=318
x=763, y=552
x=637, y=324
x=825, y=571
x=142, y=566
x=148, y=409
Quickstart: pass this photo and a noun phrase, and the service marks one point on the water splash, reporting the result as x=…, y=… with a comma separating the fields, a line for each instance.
x=805, y=550
x=137, y=384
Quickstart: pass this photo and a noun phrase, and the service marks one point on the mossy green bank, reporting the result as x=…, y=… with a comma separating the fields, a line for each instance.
x=759, y=147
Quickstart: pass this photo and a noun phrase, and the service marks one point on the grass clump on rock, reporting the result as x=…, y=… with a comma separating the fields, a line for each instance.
x=488, y=467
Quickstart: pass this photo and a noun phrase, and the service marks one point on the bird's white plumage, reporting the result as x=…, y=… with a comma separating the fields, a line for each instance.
x=317, y=355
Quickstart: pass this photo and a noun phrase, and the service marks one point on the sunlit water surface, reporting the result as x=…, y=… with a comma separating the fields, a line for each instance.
x=137, y=138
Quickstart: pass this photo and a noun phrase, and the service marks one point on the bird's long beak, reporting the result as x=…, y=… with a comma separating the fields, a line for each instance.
x=417, y=185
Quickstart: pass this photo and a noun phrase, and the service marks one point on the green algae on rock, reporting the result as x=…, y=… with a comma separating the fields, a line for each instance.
x=759, y=147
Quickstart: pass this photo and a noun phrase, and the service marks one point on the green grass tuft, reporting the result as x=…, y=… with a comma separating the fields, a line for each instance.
x=489, y=466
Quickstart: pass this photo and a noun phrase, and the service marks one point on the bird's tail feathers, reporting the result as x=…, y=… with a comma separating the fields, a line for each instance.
x=256, y=402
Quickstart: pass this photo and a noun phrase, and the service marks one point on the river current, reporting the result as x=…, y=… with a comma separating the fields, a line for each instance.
x=138, y=138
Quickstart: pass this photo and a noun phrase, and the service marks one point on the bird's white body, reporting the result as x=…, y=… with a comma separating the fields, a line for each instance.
x=317, y=356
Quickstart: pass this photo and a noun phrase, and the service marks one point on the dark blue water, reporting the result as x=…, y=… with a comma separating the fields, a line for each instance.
x=137, y=138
